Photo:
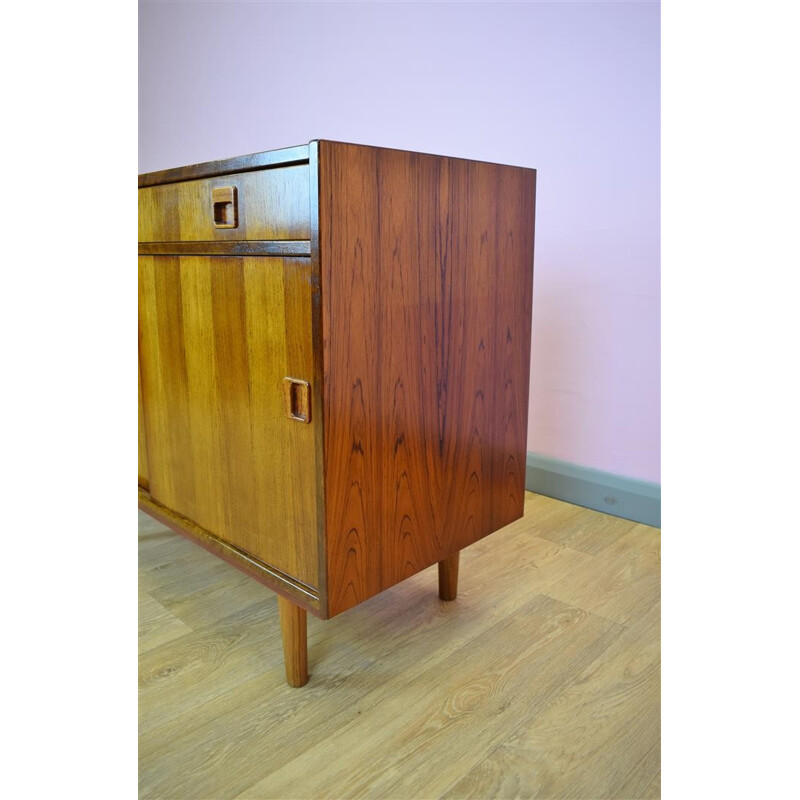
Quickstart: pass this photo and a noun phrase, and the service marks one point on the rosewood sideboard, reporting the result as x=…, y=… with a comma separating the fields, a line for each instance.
x=334, y=350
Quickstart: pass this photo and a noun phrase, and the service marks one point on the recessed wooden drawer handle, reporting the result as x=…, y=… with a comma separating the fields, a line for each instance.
x=226, y=213
x=297, y=399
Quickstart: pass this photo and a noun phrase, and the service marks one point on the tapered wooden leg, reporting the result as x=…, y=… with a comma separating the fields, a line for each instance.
x=448, y=577
x=295, y=642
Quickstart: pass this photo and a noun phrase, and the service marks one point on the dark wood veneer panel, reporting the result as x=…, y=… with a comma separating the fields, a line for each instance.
x=427, y=269
x=272, y=247
x=254, y=161
x=349, y=247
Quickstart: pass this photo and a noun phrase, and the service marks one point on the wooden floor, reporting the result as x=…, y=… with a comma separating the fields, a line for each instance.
x=541, y=680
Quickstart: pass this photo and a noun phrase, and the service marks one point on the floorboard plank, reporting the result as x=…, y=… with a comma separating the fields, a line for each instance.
x=157, y=625
x=544, y=671
x=596, y=740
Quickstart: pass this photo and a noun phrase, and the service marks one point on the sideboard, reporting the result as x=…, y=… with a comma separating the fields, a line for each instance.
x=334, y=354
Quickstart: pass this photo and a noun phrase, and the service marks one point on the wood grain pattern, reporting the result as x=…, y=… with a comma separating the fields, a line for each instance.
x=295, y=648
x=283, y=247
x=317, y=381
x=267, y=574
x=614, y=703
x=391, y=640
x=272, y=204
x=407, y=695
x=427, y=267
x=631, y=568
x=434, y=731
x=285, y=156
x=209, y=661
x=218, y=335
x=156, y=624
x=448, y=577
x=411, y=322
x=143, y=481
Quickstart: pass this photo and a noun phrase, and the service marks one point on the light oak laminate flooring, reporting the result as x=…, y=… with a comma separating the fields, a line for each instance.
x=542, y=680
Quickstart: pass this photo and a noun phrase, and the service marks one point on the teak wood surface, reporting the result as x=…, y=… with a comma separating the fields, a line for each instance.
x=143, y=482
x=295, y=642
x=267, y=159
x=219, y=334
x=250, y=247
x=448, y=577
x=427, y=269
x=272, y=204
x=409, y=320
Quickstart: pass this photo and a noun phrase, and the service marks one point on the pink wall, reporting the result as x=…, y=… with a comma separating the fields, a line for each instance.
x=572, y=89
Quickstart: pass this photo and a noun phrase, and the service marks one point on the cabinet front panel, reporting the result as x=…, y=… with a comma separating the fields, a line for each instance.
x=218, y=337
x=268, y=204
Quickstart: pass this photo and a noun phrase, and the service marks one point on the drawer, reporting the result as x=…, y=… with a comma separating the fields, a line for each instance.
x=266, y=204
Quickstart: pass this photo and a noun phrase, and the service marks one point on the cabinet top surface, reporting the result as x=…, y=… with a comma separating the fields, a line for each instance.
x=262, y=160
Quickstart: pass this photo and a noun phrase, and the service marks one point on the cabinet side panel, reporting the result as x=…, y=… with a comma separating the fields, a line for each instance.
x=317, y=383
x=513, y=270
x=427, y=268
x=350, y=276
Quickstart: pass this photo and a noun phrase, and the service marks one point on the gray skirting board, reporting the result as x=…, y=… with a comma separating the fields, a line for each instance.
x=629, y=498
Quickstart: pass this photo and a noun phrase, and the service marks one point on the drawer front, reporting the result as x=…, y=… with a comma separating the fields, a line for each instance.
x=267, y=204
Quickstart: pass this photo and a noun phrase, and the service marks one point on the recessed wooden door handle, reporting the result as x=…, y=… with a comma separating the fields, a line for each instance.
x=297, y=399
x=226, y=213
